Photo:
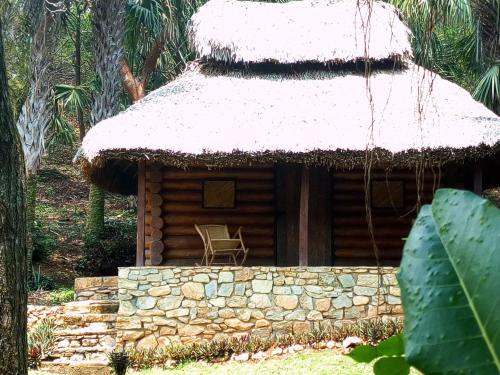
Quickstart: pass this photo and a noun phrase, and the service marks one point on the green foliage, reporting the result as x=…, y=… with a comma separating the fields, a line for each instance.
x=42, y=336
x=488, y=88
x=40, y=282
x=459, y=40
x=221, y=350
x=43, y=242
x=389, y=356
x=449, y=284
x=119, y=361
x=62, y=295
x=116, y=249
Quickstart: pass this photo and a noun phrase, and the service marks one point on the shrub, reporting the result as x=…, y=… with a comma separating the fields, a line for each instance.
x=40, y=282
x=116, y=249
x=42, y=242
x=41, y=340
x=62, y=295
x=371, y=331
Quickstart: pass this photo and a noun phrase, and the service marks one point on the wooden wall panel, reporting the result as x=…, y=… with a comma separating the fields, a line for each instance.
x=181, y=195
x=352, y=242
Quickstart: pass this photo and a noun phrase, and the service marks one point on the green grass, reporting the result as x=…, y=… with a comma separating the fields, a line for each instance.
x=318, y=363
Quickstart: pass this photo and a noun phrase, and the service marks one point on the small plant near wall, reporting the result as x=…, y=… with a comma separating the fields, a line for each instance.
x=41, y=341
x=225, y=349
x=119, y=361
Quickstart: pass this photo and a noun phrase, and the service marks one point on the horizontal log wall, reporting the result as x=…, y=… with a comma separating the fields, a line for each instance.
x=352, y=242
x=182, y=207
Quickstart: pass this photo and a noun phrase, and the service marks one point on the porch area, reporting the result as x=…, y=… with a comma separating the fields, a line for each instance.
x=289, y=214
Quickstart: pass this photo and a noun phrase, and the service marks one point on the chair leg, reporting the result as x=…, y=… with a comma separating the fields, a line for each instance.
x=245, y=252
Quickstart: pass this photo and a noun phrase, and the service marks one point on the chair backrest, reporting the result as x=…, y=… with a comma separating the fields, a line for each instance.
x=212, y=231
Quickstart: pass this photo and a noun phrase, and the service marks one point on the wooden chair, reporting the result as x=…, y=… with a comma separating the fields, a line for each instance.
x=218, y=243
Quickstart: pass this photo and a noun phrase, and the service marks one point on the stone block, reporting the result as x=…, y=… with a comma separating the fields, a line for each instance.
x=365, y=291
x=225, y=289
x=170, y=302
x=127, y=308
x=243, y=274
x=262, y=286
x=160, y=321
x=167, y=274
x=201, y=278
x=261, y=301
x=282, y=290
x=211, y=289
x=237, y=301
x=306, y=302
x=219, y=302
x=299, y=327
x=342, y=301
x=238, y=324
x=128, y=284
x=190, y=330
x=368, y=280
x=147, y=343
x=239, y=289
x=145, y=303
x=275, y=313
x=193, y=290
x=328, y=279
x=288, y=302
x=227, y=313
x=314, y=315
x=159, y=291
x=177, y=312
x=322, y=304
x=360, y=300
x=347, y=281
x=393, y=300
x=225, y=277
x=296, y=315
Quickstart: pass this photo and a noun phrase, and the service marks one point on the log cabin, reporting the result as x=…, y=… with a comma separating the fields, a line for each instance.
x=307, y=124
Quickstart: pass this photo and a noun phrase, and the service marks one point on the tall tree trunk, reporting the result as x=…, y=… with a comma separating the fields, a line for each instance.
x=13, y=297
x=34, y=119
x=108, y=21
x=136, y=86
x=78, y=65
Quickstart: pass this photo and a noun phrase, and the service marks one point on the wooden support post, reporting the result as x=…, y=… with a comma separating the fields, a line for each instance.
x=304, y=218
x=478, y=179
x=141, y=212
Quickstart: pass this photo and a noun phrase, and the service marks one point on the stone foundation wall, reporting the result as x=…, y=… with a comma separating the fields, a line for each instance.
x=159, y=305
x=96, y=288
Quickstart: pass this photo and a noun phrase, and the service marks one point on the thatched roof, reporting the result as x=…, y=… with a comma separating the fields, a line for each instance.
x=298, y=31
x=316, y=117
x=293, y=89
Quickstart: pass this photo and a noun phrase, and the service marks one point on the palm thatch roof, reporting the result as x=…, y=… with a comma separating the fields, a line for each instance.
x=323, y=31
x=305, y=109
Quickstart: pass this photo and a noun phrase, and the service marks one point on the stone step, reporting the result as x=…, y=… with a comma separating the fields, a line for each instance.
x=76, y=368
x=88, y=332
x=91, y=307
x=77, y=318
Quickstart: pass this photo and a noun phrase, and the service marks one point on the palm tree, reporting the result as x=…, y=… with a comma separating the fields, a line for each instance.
x=13, y=270
x=108, y=30
x=459, y=39
x=34, y=118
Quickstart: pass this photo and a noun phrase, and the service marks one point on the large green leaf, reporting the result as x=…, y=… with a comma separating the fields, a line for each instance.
x=448, y=292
